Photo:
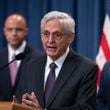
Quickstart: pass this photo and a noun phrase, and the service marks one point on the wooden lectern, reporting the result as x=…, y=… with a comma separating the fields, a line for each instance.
x=13, y=106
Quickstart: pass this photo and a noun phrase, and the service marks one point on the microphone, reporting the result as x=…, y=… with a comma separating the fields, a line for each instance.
x=20, y=56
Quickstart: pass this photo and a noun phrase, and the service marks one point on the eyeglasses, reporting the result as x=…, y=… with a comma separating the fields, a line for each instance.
x=55, y=35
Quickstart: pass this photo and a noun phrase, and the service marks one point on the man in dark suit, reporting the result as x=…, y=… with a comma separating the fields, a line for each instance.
x=103, y=96
x=15, y=30
x=74, y=87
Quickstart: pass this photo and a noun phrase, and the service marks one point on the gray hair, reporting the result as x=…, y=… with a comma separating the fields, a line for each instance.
x=65, y=19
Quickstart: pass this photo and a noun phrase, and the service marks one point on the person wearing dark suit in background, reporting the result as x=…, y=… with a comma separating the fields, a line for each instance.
x=15, y=31
x=103, y=96
x=75, y=75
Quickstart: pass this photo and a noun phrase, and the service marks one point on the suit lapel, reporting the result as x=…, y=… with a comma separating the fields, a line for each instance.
x=28, y=51
x=4, y=61
x=22, y=66
x=40, y=80
x=63, y=76
x=5, y=73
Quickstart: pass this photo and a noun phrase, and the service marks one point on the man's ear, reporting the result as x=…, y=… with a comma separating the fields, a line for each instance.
x=71, y=38
x=4, y=31
x=26, y=31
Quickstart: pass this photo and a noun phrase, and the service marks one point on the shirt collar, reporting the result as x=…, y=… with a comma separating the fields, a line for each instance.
x=17, y=51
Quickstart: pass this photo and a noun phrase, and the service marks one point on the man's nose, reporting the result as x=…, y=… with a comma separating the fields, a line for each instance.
x=14, y=32
x=51, y=38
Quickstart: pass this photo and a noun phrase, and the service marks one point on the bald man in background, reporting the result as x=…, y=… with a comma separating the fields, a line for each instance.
x=15, y=31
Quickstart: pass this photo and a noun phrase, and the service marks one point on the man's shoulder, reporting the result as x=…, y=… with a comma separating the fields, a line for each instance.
x=107, y=64
x=3, y=51
x=32, y=52
x=38, y=60
x=82, y=59
x=106, y=68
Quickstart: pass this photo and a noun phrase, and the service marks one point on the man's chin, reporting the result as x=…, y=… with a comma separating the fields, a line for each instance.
x=15, y=45
x=50, y=54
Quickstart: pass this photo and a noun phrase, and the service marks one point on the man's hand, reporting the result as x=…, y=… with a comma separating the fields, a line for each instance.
x=14, y=99
x=31, y=100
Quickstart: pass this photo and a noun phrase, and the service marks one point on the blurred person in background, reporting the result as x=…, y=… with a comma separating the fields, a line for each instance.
x=15, y=31
x=103, y=96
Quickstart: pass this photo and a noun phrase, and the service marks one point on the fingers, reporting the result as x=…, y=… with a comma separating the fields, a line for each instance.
x=14, y=99
x=31, y=100
x=33, y=95
x=24, y=98
x=27, y=102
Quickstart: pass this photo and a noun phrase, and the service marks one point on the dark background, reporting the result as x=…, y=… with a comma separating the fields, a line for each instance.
x=88, y=15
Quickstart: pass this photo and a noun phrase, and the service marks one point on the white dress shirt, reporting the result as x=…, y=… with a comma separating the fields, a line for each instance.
x=59, y=62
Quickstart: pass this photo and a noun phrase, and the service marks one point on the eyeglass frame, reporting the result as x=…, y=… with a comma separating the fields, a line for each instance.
x=57, y=35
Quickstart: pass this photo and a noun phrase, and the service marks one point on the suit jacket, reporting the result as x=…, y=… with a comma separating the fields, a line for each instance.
x=6, y=89
x=103, y=97
x=74, y=89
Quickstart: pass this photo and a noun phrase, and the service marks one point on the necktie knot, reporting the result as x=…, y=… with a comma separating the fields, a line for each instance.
x=13, y=56
x=53, y=65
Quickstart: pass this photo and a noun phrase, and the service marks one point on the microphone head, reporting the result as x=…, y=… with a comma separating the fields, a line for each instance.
x=20, y=56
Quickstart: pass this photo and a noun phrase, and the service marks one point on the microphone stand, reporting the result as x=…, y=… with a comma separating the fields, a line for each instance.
x=7, y=64
x=20, y=56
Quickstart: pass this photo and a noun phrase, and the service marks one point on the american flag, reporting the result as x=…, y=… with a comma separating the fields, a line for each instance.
x=104, y=48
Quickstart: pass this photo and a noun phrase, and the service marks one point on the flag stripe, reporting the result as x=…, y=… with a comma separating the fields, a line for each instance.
x=104, y=49
x=98, y=77
x=105, y=46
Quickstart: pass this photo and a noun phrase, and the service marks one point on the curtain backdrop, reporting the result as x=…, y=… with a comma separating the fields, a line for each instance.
x=88, y=15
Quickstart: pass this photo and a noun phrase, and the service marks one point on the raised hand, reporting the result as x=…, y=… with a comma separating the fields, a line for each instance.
x=31, y=100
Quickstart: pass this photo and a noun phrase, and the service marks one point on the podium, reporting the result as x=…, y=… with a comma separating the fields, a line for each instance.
x=14, y=106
